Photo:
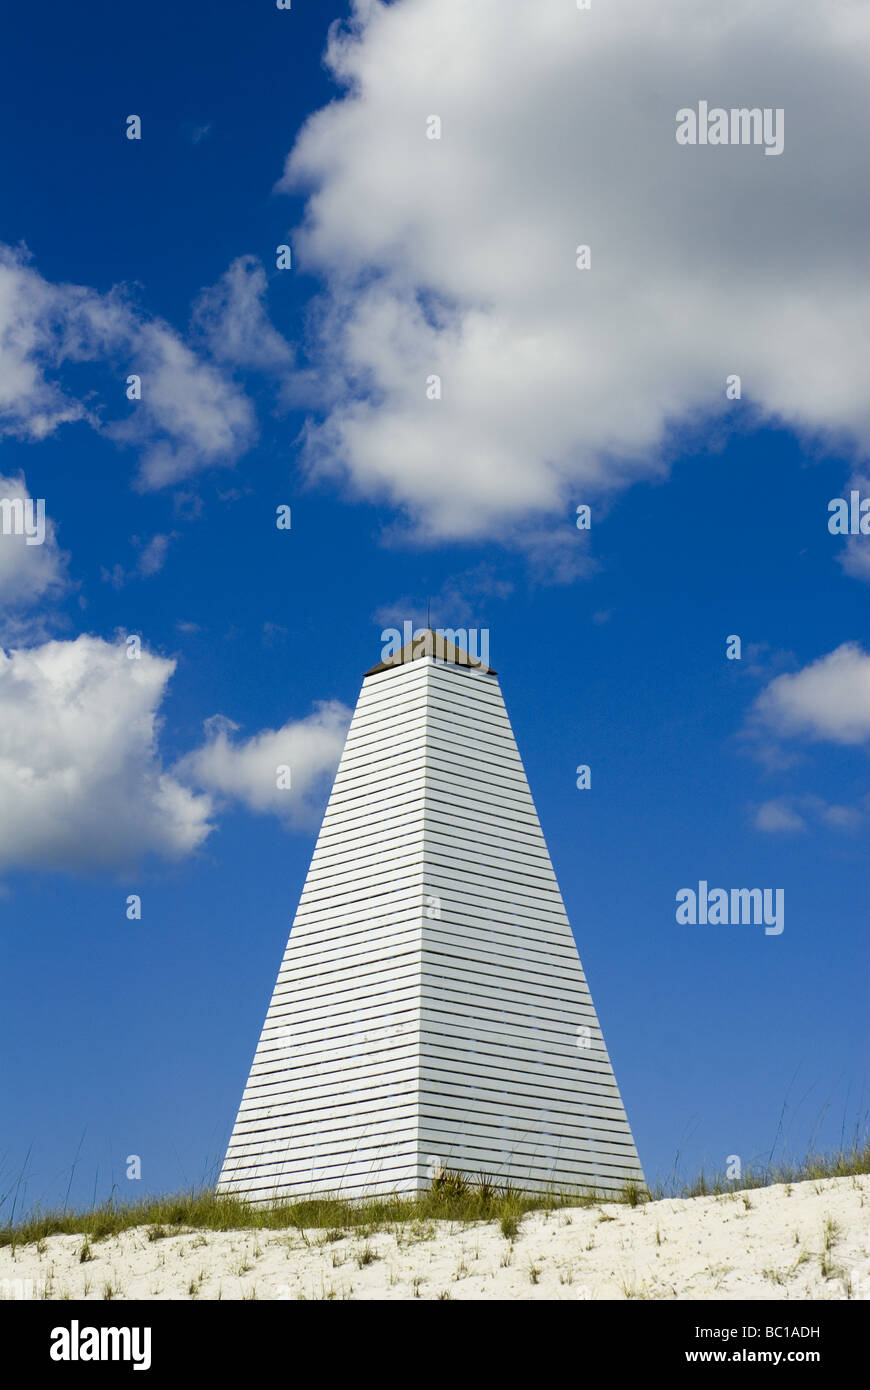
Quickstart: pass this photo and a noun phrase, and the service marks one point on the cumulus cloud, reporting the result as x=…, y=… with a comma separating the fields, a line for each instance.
x=30, y=404
x=82, y=786
x=251, y=771
x=82, y=783
x=31, y=569
x=191, y=415
x=232, y=319
x=827, y=700
x=456, y=257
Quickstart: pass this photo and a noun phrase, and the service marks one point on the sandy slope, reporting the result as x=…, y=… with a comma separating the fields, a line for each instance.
x=768, y=1244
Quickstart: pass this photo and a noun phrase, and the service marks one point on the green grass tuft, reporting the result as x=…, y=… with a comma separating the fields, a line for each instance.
x=452, y=1197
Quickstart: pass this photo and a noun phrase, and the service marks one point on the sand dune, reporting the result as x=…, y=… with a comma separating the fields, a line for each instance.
x=806, y=1241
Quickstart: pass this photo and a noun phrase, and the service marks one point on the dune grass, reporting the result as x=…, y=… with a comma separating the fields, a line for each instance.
x=842, y=1164
x=451, y=1197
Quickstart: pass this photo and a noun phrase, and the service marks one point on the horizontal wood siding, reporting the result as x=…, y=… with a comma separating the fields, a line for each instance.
x=431, y=1007
x=509, y=1086
x=332, y=1099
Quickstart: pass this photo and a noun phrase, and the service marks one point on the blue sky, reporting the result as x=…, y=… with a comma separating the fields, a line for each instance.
x=305, y=387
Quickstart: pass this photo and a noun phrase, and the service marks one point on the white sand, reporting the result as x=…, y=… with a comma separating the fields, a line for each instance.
x=808, y=1241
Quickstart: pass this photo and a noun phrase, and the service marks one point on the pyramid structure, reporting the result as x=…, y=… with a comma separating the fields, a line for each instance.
x=431, y=1011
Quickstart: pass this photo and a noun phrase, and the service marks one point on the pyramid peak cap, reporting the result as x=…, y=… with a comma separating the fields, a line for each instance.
x=429, y=642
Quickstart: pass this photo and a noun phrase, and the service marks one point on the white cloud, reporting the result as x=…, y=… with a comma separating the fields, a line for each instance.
x=855, y=556
x=30, y=405
x=29, y=573
x=827, y=700
x=152, y=558
x=247, y=771
x=789, y=815
x=464, y=598
x=190, y=416
x=154, y=553
x=777, y=816
x=232, y=318
x=457, y=257
x=840, y=817
x=82, y=786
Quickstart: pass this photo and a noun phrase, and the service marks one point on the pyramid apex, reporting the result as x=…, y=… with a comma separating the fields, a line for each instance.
x=429, y=642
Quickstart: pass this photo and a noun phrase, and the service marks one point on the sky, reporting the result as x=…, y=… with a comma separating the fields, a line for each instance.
x=432, y=386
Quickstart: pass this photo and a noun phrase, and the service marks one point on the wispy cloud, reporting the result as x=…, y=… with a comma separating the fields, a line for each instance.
x=30, y=574
x=789, y=815
x=189, y=415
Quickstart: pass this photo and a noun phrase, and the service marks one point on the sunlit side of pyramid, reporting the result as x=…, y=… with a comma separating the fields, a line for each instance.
x=431, y=1009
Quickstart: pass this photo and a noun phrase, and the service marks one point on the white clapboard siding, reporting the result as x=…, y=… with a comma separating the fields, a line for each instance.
x=431, y=1009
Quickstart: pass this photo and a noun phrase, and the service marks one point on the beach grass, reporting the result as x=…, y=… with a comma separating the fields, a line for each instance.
x=451, y=1197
